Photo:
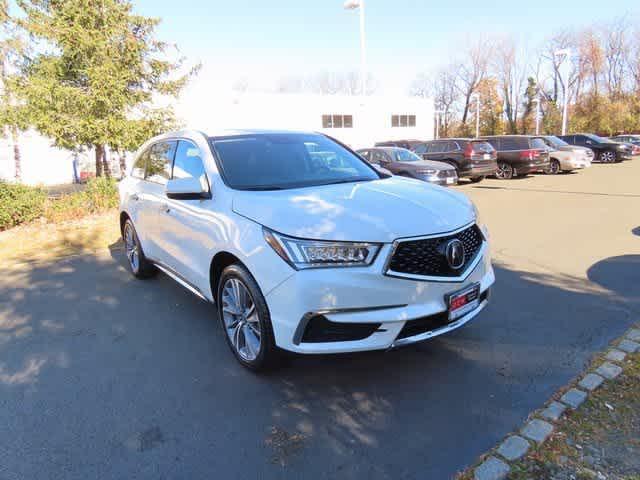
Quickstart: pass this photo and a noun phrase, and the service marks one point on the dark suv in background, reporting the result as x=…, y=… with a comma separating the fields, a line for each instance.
x=519, y=155
x=605, y=151
x=403, y=162
x=473, y=159
x=408, y=144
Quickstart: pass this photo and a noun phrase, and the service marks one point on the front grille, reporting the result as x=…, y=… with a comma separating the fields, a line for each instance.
x=427, y=257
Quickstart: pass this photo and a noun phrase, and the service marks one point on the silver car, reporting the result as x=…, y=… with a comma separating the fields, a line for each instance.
x=565, y=157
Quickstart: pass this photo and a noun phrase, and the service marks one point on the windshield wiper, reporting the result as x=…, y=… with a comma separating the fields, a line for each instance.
x=346, y=180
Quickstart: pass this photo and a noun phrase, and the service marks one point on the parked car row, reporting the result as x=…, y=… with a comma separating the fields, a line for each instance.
x=304, y=246
x=502, y=156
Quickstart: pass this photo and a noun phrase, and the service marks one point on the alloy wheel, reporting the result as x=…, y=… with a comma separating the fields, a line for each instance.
x=608, y=157
x=504, y=171
x=554, y=168
x=132, y=248
x=241, y=319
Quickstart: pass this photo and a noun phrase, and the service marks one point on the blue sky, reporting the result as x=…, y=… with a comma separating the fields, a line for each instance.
x=266, y=39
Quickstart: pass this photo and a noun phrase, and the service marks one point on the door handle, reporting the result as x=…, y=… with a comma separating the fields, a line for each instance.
x=165, y=208
x=135, y=197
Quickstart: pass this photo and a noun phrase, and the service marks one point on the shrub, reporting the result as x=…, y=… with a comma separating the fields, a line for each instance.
x=99, y=195
x=20, y=204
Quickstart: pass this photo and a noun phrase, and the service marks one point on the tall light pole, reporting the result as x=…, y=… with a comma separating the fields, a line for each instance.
x=438, y=113
x=565, y=52
x=537, y=100
x=477, y=97
x=353, y=5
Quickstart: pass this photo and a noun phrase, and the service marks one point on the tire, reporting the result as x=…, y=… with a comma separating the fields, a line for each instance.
x=138, y=264
x=245, y=320
x=554, y=167
x=476, y=179
x=504, y=171
x=607, y=157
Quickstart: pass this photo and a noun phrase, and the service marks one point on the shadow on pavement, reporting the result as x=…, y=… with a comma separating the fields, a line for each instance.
x=105, y=376
x=620, y=275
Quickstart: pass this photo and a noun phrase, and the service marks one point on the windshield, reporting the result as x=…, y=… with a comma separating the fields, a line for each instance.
x=404, y=155
x=287, y=160
x=556, y=142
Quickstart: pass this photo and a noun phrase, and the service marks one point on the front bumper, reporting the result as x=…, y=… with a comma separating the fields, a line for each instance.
x=359, y=296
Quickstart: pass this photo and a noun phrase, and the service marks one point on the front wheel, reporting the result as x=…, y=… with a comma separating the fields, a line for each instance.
x=608, y=157
x=505, y=171
x=244, y=317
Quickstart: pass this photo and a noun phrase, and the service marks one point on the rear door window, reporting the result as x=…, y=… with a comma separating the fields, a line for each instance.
x=538, y=143
x=365, y=154
x=378, y=157
x=452, y=146
x=436, y=147
x=420, y=148
x=141, y=165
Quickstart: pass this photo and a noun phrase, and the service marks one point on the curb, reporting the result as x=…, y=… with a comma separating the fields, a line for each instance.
x=539, y=426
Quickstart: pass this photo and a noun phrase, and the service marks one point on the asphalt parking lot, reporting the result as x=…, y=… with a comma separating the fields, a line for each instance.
x=102, y=376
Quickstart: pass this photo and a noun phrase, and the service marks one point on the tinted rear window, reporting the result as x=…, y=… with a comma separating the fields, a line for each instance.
x=482, y=147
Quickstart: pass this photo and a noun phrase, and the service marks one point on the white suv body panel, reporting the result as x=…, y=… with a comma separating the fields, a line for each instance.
x=184, y=236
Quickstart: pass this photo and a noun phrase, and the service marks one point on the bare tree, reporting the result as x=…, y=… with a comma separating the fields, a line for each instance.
x=471, y=71
x=616, y=53
x=326, y=83
x=442, y=87
x=510, y=70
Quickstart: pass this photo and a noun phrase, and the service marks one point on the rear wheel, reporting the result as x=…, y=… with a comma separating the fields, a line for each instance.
x=554, y=167
x=505, y=171
x=244, y=317
x=138, y=264
x=608, y=157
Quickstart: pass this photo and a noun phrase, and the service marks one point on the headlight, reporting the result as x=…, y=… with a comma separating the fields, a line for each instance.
x=301, y=254
x=479, y=222
x=426, y=172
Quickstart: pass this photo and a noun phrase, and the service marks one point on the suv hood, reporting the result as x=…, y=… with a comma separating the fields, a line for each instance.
x=377, y=211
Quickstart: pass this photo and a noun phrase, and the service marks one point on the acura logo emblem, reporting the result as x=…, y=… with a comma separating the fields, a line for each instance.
x=454, y=252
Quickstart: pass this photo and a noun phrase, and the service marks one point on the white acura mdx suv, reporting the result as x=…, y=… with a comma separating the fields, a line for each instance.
x=301, y=244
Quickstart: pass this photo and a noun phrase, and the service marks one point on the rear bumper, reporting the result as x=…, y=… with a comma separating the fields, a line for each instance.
x=480, y=170
x=531, y=167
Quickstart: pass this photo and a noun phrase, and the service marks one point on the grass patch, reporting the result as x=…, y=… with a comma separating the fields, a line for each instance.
x=600, y=440
x=46, y=241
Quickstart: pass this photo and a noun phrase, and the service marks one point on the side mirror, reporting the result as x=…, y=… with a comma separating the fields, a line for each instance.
x=187, y=189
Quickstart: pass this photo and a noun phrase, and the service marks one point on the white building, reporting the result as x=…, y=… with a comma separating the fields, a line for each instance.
x=356, y=121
